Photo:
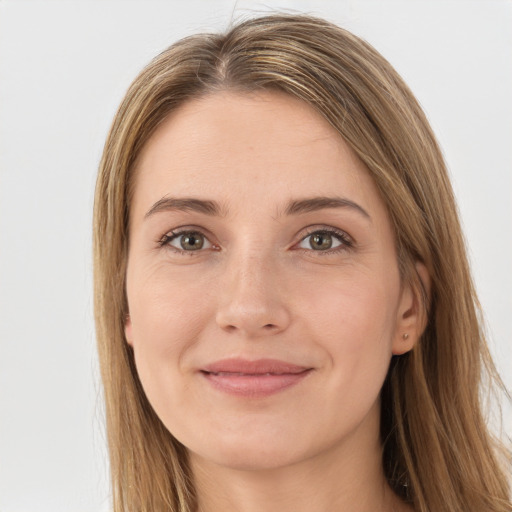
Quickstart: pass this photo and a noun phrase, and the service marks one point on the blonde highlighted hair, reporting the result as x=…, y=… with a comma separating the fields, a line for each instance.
x=437, y=451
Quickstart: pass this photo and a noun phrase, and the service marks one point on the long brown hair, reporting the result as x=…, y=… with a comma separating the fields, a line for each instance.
x=437, y=451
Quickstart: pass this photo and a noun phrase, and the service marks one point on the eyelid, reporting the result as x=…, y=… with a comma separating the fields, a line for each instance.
x=173, y=234
x=347, y=242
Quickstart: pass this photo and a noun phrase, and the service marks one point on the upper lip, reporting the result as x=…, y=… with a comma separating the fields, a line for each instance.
x=256, y=367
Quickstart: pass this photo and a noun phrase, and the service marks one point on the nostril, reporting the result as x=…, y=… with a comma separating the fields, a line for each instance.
x=266, y=327
x=253, y=319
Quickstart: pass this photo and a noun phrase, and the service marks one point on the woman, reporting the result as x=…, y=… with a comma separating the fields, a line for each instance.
x=285, y=314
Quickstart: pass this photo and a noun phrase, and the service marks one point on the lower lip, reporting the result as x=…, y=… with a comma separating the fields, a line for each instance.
x=254, y=386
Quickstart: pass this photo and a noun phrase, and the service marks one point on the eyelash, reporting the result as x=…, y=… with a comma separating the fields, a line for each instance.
x=347, y=242
x=172, y=235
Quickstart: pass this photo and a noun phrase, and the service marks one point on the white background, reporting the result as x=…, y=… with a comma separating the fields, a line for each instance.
x=64, y=67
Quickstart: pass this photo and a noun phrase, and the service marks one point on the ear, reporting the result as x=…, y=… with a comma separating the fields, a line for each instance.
x=128, y=331
x=412, y=311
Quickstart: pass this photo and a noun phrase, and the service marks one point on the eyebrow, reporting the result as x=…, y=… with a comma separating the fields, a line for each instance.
x=212, y=208
x=185, y=204
x=319, y=203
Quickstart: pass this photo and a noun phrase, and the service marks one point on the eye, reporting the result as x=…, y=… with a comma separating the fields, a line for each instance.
x=325, y=240
x=186, y=241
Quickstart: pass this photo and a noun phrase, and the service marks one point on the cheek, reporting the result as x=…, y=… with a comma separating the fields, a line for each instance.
x=354, y=319
x=166, y=310
x=355, y=326
x=167, y=316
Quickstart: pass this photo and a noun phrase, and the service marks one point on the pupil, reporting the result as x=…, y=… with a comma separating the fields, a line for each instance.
x=192, y=242
x=321, y=241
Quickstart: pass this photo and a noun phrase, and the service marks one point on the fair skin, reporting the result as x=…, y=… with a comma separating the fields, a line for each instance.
x=233, y=256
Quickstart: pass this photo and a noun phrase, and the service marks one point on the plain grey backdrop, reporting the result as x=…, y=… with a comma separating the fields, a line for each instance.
x=64, y=67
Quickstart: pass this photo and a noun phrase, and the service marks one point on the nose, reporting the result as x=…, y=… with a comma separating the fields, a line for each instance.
x=252, y=299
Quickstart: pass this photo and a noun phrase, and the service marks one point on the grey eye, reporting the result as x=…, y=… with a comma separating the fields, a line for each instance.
x=320, y=241
x=190, y=241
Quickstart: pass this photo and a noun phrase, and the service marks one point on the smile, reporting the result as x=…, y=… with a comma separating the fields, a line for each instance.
x=253, y=379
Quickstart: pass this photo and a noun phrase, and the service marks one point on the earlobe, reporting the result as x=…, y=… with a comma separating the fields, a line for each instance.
x=128, y=330
x=412, y=312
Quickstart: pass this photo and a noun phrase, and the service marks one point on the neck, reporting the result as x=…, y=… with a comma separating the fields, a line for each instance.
x=347, y=477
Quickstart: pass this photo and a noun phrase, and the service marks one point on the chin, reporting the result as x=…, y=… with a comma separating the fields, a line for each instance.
x=250, y=455
x=252, y=460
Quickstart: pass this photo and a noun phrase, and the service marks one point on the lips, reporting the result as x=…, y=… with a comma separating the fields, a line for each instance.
x=256, y=379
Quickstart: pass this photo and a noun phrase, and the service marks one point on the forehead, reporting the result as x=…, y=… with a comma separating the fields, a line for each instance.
x=248, y=150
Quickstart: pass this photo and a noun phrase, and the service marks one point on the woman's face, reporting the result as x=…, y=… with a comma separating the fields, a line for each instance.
x=264, y=295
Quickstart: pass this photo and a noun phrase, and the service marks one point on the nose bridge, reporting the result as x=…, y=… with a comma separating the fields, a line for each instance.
x=252, y=302
x=250, y=266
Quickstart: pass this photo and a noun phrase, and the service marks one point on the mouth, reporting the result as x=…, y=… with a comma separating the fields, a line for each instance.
x=253, y=379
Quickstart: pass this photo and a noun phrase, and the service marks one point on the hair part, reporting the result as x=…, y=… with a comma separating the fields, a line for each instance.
x=437, y=451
